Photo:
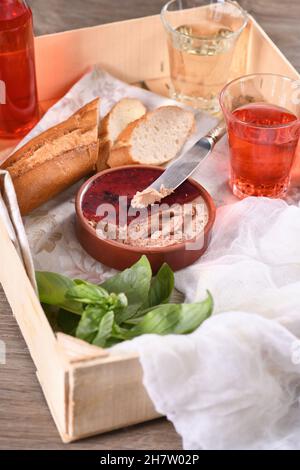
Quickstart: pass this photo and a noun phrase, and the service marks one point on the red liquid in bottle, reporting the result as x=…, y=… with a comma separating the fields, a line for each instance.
x=263, y=142
x=18, y=95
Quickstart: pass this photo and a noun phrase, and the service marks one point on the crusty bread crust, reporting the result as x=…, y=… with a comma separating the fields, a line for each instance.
x=121, y=152
x=49, y=179
x=105, y=142
x=38, y=174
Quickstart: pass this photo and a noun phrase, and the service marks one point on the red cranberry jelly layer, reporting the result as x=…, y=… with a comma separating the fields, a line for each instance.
x=107, y=189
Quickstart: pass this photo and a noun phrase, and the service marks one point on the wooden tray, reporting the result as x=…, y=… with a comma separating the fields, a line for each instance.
x=88, y=391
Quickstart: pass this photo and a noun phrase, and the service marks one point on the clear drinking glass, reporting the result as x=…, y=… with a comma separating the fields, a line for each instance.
x=262, y=113
x=201, y=39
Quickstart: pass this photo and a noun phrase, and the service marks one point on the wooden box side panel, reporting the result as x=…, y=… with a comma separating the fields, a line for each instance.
x=99, y=396
x=106, y=396
x=133, y=51
x=35, y=328
x=263, y=56
x=136, y=50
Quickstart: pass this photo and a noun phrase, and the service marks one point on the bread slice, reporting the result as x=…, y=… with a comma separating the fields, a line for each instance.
x=154, y=139
x=56, y=159
x=124, y=112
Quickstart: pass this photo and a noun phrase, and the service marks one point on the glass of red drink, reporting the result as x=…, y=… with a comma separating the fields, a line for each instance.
x=262, y=114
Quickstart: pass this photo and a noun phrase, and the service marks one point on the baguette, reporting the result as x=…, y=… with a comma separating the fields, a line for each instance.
x=56, y=159
x=153, y=139
x=124, y=112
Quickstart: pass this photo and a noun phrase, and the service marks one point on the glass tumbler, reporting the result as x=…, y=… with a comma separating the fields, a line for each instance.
x=202, y=35
x=262, y=112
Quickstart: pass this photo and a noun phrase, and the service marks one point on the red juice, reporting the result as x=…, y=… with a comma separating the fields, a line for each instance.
x=18, y=95
x=263, y=141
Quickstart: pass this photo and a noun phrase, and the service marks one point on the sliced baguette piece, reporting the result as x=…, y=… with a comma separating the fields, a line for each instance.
x=56, y=159
x=124, y=112
x=153, y=139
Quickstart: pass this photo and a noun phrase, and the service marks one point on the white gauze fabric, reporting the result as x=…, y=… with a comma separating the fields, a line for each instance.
x=235, y=382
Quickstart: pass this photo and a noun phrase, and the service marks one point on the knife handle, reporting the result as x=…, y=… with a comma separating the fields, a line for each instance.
x=215, y=134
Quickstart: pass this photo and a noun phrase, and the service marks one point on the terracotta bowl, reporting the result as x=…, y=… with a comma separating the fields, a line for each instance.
x=120, y=256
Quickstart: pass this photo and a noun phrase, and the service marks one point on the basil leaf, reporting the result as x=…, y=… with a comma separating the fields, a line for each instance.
x=192, y=315
x=129, y=304
x=87, y=294
x=173, y=318
x=88, y=326
x=110, y=342
x=52, y=290
x=161, y=288
x=162, y=321
x=120, y=333
x=135, y=283
x=96, y=295
x=80, y=281
x=135, y=320
x=105, y=329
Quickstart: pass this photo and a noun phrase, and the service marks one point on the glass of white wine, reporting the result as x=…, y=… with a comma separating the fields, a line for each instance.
x=202, y=35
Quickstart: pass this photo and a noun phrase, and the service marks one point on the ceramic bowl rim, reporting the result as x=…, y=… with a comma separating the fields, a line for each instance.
x=138, y=249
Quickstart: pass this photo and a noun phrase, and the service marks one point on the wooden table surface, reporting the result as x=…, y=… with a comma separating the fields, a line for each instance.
x=25, y=421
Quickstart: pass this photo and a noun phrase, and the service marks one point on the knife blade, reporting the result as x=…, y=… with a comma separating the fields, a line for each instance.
x=187, y=162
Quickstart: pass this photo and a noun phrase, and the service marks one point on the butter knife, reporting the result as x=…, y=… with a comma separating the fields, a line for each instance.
x=187, y=162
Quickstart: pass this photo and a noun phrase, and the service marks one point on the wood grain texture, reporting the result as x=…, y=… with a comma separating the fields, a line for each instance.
x=25, y=421
x=280, y=19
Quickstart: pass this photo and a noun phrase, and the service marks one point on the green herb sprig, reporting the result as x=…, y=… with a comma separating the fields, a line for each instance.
x=127, y=305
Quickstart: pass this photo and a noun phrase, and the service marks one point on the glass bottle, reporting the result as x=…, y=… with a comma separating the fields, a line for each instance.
x=19, y=110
